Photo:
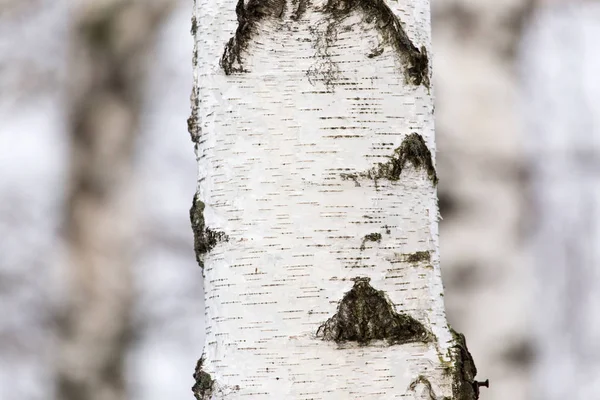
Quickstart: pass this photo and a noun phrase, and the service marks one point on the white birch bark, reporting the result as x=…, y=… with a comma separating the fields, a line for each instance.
x=316, y=215
x=560, y=65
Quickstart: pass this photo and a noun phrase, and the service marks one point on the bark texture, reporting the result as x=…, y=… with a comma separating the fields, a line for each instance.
x=109, y=43
x=313, y=125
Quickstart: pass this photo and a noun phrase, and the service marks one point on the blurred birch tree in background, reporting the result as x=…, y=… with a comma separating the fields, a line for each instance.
x=481, y=163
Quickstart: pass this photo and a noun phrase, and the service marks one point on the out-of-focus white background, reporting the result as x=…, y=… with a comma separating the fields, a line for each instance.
x=484, y=163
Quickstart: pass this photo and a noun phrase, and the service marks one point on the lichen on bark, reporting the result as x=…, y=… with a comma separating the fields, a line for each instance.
x=413, y=149
x=366, y=314
x=205, y=239
x=204, y=386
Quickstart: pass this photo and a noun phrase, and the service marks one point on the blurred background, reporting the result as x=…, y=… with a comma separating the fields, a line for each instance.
x=101, y=295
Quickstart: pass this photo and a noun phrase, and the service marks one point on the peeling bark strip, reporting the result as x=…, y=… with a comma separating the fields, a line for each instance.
x=204, y=386
x=365, y=314
x=413, y=149
x=390, y=28
x=205, y=239
x=248, y=16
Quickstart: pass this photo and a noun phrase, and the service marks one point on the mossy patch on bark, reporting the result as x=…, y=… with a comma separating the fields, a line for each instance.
x=413, y=149
x=365, y=314
x=249, y=16
x=204, y=386
x=205, y=239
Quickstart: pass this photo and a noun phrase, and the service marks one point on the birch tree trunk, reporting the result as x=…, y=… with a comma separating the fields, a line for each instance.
x=110, y=41
x=315, y=217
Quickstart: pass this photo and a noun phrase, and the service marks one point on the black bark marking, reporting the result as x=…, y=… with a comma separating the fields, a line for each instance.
x=193, y=122
x=413, y=149
x=249, y=16
x=205, y=239
x=366, y=314
x=371, y=237
x=204, y=386
x=300, y=9
x=417, y=257
x=415, y=61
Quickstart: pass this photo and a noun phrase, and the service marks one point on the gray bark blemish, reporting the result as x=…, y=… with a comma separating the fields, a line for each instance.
x=413, y=149
x=204, y=386
x=205, y=239
x=415, y=60
x=249, y=16
x=365, y=314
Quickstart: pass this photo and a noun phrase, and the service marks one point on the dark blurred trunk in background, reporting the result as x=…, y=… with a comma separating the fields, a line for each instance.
x=110, y=40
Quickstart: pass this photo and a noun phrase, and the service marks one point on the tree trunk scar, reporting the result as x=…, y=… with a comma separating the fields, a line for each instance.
x=374, y=12
x=413, y=149
x=365, y=314
x=205, y=239
x=249, y=16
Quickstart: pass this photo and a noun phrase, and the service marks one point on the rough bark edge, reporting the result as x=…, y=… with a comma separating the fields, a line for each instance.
x=193, y=121
x=413, y=149
x=205, y=239
x=204, y=386
x=248, y=15
x=365, y=314
x=462, y=369
x=416, y=61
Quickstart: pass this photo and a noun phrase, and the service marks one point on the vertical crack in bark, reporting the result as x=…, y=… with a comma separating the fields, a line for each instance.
x=413, y=149
x=377, y=12
x=205, y=239
x=366, y=314
x=249, y=16
x=204, y=386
